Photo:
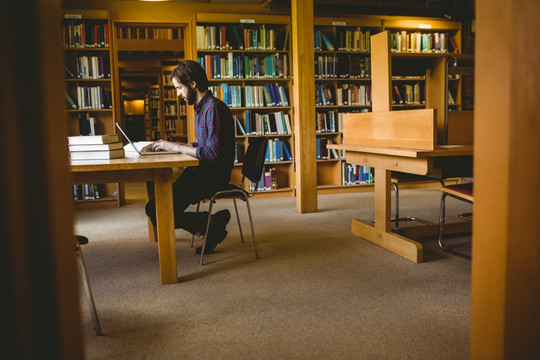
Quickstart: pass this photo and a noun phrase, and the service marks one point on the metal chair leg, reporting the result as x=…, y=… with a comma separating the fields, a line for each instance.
x=238, y=219
x=207, y=230
x=252, y=230
x=396, y=189
x=86, y=284
x=442, y=220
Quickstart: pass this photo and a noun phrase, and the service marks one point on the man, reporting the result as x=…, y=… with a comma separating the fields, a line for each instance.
x=214, y=130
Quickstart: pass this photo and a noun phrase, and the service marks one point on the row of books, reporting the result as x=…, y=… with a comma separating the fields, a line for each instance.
x=348, y=40
x=90, y=67
x=277, y=150
x=95, y=147
x=229, y=66
x=342, y=66
x=86, y=192
x=267, y=95
x=235, y=38
x=274, y=123
x=90, y=97
x=329, y=121
x=268, y=181
x=408, y=94
x=150, y=33
x=346, y=94
x=352, y=94
x=85, y=34
x=322, y=151
x=417, y=42
x=171, y=109
x=87, y=124
x=352, y=174
x=229, y=94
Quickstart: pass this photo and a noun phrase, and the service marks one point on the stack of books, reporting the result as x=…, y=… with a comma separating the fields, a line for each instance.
x=95, y=147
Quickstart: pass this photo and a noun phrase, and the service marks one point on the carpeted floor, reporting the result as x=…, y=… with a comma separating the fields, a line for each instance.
x=317, y=292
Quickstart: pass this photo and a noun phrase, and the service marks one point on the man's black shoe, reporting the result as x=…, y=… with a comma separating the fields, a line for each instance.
x=211, y=242
x=219, y=221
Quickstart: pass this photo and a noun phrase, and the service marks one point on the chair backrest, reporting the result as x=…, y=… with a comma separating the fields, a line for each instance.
x=254, y=158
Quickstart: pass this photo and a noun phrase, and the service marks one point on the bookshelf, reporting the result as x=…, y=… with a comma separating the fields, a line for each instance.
x=342, y=85
x=362, y=65
x=411, y=60
x=89, y=89
x=174, y=109
x=248, y=63
x=156, y=48
x=152, y=113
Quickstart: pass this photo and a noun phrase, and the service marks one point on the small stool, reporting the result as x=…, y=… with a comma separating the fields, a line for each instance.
x=463, y=192
x=82, y=240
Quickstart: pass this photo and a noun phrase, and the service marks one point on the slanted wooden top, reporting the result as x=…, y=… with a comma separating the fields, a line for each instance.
x=450, y=150
x=409, y=129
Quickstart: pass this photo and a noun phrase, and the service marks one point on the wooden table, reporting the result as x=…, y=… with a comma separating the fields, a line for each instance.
x=385, y=160
x=156, y=168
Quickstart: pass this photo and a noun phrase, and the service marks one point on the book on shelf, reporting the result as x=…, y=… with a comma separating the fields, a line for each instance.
x=93, y=139
x=97, y=155
x=239, y=128
x=70, y=73
x=327, y=43
x=70, y=101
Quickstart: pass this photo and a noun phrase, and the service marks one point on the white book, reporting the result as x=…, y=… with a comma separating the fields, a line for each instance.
x=95, y=147
x=97, y=155
x=95, y=139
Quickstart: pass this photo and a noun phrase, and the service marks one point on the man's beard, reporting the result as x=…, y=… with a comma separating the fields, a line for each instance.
x=191, y=96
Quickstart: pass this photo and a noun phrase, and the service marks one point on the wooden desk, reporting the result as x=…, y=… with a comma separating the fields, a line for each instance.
x=156, y=168
x=385, y=160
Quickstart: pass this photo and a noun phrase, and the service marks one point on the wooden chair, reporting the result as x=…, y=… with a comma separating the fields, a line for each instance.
x=463, y=192
x=82, y=240
x=252, y=170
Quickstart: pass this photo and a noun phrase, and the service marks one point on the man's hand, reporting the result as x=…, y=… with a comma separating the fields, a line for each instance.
x=163, y=145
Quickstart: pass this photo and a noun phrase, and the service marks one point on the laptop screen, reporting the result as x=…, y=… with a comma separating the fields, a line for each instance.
x=128, y=139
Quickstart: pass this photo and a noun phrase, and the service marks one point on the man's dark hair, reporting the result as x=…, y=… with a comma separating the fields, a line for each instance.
x=189, y=70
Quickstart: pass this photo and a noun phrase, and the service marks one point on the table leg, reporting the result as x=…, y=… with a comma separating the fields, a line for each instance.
x=381, y=234
x=165, y=226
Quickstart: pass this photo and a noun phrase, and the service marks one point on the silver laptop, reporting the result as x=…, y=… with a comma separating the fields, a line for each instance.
x=148, y=151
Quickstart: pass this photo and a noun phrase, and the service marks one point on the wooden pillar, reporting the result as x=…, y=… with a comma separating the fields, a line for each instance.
x=505, y=320
x=37, y=248
x=304, y=105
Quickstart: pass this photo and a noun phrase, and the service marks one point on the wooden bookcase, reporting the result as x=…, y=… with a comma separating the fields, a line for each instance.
x=89, y=81
x=174, y=109
x=152, y=113
x=155, y=48
x=342, y=85
x=248, y=63
x=407, y=78
x=371, y=71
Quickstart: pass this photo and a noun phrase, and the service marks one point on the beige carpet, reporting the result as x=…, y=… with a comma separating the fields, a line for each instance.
x=317, y=292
